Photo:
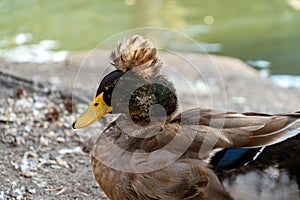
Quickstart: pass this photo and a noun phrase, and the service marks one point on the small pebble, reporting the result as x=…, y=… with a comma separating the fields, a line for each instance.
x=12, y=117
x=65, y=151
x=27, y=128
x=32, y=191
x=81, y=161
x=62, y=163
x=60, y=139
x=51, y=134
x=67, y=125
x=44, y=141
x=20, y=197
x=39, y=105
x=27, y=174
x=46, y=125
x=77, y=149
x=55, y=167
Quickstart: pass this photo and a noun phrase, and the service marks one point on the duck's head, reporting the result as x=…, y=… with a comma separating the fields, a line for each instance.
x=134, y=87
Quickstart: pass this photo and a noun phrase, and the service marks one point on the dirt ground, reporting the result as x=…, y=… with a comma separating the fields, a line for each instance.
x=43, y=158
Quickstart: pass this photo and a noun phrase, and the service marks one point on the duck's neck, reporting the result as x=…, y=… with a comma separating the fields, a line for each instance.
x=143, y=99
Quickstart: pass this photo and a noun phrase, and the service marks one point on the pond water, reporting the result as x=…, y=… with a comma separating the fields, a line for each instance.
x=262, y=33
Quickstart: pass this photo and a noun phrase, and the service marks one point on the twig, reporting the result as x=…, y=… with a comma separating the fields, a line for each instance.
x=5, y=121
x=12, y=81
x=54, y=189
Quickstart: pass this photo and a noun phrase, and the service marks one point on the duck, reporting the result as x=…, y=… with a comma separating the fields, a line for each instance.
x=150, y=151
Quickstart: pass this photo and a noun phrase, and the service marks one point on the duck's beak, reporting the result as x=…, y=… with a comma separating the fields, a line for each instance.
x=97, y=109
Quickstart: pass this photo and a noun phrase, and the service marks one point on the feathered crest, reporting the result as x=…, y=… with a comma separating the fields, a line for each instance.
x=137, y=54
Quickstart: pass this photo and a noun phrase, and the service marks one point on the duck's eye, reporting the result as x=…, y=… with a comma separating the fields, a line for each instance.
x=96, y=104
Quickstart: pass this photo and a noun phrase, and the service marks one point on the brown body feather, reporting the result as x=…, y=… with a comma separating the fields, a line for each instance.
x=188, y=177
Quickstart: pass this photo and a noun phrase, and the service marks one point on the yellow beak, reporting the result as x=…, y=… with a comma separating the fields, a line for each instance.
x=95, y=111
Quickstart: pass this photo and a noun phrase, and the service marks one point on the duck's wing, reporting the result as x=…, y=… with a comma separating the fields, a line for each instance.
x=235, y=130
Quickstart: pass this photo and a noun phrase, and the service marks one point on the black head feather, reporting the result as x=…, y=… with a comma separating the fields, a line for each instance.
x=107, y=85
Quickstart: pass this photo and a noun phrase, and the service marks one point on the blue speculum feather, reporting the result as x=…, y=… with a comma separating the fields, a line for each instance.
x=234, y=157
x=231, y=156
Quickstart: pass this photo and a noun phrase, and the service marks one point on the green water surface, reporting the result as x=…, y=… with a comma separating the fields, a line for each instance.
x=247, y=29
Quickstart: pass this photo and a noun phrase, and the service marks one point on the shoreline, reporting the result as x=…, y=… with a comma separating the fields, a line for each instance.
x=212, y=78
